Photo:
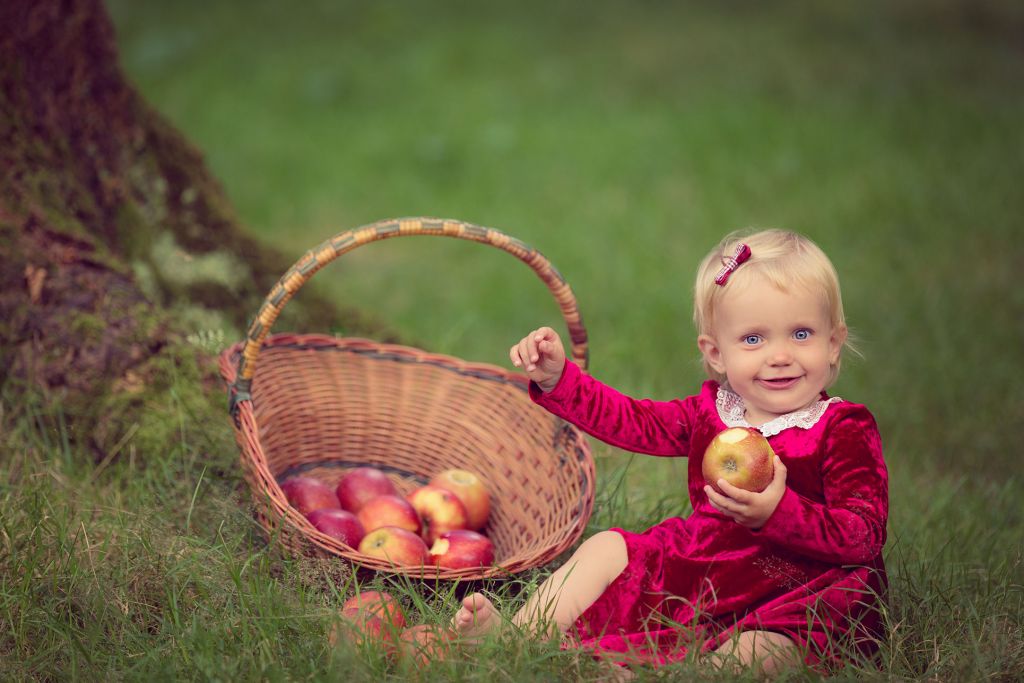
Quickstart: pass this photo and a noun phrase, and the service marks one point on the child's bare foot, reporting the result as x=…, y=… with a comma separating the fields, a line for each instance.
x=476, y=618
x=616, y=673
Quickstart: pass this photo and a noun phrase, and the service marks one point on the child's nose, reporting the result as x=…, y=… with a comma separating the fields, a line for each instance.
x=780, y=355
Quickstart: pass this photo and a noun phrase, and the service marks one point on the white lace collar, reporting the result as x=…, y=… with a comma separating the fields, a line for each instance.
x=731, y=410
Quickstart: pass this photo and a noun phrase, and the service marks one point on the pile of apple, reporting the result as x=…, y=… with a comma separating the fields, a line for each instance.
x=438, y=524
x=378, y=617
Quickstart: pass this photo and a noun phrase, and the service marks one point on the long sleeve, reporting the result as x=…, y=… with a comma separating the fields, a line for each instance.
x=849, y=527
x=637, y=425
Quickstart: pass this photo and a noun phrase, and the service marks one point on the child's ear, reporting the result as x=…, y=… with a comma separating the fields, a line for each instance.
x=835, y=343
x=712, y=354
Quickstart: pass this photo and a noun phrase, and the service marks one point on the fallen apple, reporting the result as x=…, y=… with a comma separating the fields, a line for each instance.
x=440, y=509
x=471, y=490
x=361, y=484
x=741, y=456
x=306, y=494
x=389, y=511
x=462, y=549
x=396, y=545
x=338, y=524
x=370, y=616
x=424, y=643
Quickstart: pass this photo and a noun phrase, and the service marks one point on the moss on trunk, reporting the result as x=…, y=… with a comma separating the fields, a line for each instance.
x=115, y=242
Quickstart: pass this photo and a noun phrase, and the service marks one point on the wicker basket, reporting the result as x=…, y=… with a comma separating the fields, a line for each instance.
x=319, y=405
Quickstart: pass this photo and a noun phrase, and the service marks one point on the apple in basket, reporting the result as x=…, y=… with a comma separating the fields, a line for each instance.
x=395, y=545
x=462, y=549
x=389, y=511
x=370, y=616
x=360, y=485
x=424, y=643
x=306, y=494
x=338, y=524
x=471, y=490
x=741, y=456
x=440, y=509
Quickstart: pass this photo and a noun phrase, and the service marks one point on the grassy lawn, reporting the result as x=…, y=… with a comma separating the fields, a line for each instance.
x=622, y=140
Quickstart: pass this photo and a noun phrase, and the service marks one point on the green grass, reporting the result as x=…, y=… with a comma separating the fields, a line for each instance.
x=622, y=140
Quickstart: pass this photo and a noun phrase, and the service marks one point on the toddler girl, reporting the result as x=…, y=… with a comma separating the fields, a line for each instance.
x=793, y=572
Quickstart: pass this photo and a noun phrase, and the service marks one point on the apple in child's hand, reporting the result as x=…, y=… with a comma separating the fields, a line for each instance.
x=440, y=509
x=339, y=524
x=395, y=545
x=471, y=490
x=462, y=549
x=361, y=484
x=370, y=615
x=741, y=456
x=306, y=494
x=389, y=511
x=424, y=643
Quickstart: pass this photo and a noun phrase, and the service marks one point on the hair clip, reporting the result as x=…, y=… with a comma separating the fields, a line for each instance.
x=731, y=263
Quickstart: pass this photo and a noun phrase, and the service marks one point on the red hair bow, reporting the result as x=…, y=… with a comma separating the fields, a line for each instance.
x=731, y=263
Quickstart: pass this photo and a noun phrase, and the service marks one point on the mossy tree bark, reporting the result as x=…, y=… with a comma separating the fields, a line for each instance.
x=113, y=236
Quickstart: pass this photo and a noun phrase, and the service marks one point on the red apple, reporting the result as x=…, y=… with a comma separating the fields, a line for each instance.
x=741, y=456
x=339, y=524
x=370, y=615
x=471, y=490
x=440, y=509
x=389, y=511
x=424, y=643
x=362, y=484
x=461, y=549
x=306, y=494
x=398, y=546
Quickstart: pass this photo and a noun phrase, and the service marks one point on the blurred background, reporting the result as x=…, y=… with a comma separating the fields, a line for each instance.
x=623, y=140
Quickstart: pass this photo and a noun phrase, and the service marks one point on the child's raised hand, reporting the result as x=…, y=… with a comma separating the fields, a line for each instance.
x=747, y=508
x=541, y=355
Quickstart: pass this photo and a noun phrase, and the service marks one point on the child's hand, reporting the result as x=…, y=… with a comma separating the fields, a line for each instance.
x=541, y=355
x=747, y=508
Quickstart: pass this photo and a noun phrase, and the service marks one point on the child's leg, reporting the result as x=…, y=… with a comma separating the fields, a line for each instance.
x=576, y=585
x=766, y=652
x=563, y=596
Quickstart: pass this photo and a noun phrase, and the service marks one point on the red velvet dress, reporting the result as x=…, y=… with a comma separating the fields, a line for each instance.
x=813, y=572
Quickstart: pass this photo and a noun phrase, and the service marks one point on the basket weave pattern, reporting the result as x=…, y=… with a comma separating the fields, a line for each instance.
x=319, y=405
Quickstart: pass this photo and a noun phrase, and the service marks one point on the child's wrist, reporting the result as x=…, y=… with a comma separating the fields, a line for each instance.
x=547, y=386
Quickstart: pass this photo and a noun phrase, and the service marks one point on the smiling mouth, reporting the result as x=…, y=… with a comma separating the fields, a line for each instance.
x=779, y=383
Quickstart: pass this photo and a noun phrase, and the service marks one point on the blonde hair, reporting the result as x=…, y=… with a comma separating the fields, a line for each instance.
x=785, y=260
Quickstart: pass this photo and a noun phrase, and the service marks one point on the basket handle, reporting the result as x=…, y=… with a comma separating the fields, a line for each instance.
x=315, y=259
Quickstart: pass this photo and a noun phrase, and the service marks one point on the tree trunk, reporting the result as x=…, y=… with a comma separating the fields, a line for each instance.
x=115, y=240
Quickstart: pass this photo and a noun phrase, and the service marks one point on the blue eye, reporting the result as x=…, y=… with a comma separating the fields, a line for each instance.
x=752, y=339
x=802, y=335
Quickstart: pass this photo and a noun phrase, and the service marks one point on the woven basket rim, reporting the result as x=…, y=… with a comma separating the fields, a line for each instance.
x=383, y=350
